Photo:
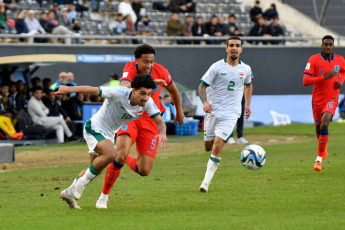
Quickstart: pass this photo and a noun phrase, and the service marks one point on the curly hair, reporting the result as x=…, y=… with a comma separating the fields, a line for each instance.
x=144, y=49
x=143, y=80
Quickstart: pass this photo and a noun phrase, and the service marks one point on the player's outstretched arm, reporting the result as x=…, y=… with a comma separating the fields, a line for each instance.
x=126, y=83
x=203, y=97
x=248, y=91
x=63, y=90
x=175, y=96
x=162, y=136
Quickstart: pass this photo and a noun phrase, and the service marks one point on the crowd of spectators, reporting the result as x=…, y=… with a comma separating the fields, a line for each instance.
x=45, y=110
x=184, y=21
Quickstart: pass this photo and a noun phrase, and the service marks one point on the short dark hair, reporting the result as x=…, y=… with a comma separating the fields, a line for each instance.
x=47, y=79
x=232, y=16
x=34, y=89
x=115, y=76
x=35, y=79
x=328, y=37
x=233, y=38
x=257, y=2
x=144, y=49
x=6, y=83
x=166, y=95
x=143, y=80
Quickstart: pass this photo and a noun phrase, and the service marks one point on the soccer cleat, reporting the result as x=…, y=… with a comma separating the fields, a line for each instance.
x=231, y=141
x=67, y=196
x=17, y=136
x=102, y=203
x=317, y=166
x=242, y=141
x=204, y=186
x=79, y=188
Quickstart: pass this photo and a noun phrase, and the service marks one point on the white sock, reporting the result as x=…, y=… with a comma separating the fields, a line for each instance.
x=319, y=159
x=89, y=175
x=212, y=166
x=104, y=196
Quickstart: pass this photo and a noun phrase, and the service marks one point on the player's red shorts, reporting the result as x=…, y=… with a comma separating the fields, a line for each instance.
x=318, y=110
x=143, y=131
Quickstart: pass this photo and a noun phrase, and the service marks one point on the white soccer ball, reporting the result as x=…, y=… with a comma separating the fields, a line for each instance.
x=253, y=157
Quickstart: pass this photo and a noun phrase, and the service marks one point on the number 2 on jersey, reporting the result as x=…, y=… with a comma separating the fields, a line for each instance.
x=231, y=85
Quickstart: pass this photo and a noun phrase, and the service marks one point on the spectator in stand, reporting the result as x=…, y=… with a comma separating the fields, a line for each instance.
x=35, y=82
x=181, y=6
x=169, y=115
x=212, y=29
x=222, y=26
x=175, y=27
x=158, y=5
x=125, y=8
x=233, y=29
x=9, y=5
x=35, y=27
x=130, y=28
x=198, y=29
x=70, y=82
x=188, y=31
x=139, y=9
x=3, y=17
x=259, y=30
x=255, y=12
x=21, y=26
x=72, y=14
x=21, y=90
x=55, y=27
x=6, y=114
x=44, y=21
x=145, y=20
x=77, y=102
x=46, y=82
x=276, y=30
x=271, y=12
x=94, y=7
x=61, y=81
x=119, y=25
x=39, y=115
x=55, y=9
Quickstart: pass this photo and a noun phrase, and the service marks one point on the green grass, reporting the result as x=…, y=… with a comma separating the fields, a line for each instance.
x=285, y=194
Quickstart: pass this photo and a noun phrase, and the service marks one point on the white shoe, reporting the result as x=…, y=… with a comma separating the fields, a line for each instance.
x=79, y=188
x=231, y=141
x=102, y=203
x=242, y=141
x=67, y=196
x=204, y=186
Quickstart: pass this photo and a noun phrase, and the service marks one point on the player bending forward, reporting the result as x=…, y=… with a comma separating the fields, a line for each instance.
x=122, y=105
x=227, y=79
x=326, y=72
x=142, y=131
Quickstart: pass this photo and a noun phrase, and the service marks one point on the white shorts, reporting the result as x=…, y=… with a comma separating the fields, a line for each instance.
x=219, y=126
x=94, y=134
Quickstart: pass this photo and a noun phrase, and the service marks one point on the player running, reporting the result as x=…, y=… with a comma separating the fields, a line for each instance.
x=142, y=131
x=326, y=72
x=226, y=79
x=122, y=105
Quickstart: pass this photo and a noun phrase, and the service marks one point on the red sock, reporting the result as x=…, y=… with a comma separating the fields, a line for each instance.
x=317, y=135
x=132, y=163
x=323, y=140
x=111, y=175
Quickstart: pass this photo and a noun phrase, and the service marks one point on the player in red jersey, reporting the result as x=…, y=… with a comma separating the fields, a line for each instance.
x=143, y=131
x=326, y=72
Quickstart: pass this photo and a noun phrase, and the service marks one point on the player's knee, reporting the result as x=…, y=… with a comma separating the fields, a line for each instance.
x=120, y=158
x=144, y=172
x=111, y=157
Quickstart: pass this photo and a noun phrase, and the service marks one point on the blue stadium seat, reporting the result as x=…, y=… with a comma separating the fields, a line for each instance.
x=86, y=15
x=148, y=6
x=83, y=25
x=23, y=5
x=93, y=25
x=45, y=5
x=141, y=26
x=105, y=25
x=154, y=17
x=214, y=8
x=114, y=6
x=103, y=6
x=10, y=14
x=162, y=26
x=152, y=26
x=225, y=8
x=35, y=5
x=201, y=8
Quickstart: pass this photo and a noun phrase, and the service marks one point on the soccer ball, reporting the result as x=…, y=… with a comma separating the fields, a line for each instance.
x=253, y=157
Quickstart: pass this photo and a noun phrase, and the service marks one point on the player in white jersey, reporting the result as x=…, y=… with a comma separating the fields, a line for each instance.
x=122, y=106
x=227, y=79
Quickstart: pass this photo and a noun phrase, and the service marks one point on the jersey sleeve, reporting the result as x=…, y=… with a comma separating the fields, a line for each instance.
x=152, y=109
x=249, y=76
x=110, y=92
x=310, y=76
x=209, y=76
x=165, y=75
x=129, y=72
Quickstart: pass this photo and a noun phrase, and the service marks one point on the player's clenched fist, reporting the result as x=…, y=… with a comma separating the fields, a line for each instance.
x=63, y=90
x=330, y=74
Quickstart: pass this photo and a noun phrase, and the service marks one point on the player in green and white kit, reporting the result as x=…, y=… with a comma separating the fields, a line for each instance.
x=227, y=79
x=122, y=106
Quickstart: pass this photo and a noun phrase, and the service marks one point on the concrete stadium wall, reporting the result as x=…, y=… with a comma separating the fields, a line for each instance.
x=277, y=70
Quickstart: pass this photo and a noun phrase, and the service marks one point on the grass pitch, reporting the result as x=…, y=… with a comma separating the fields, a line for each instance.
x=285, y=194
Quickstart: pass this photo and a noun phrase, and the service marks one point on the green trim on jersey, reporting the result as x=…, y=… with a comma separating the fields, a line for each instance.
x=96, y=135
x=130, y=94
x=248, y=83
x=100, y=91
x=239, y=61
x=204, y=83
x=228, y=138
x=214, y=159
x=155, y=115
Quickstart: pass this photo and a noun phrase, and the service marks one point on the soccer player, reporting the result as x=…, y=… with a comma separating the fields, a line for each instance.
x=142, y=131
x=326, y=72
x=122, y=105
x=227, y=79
